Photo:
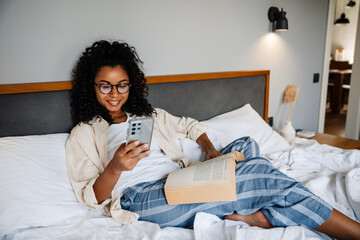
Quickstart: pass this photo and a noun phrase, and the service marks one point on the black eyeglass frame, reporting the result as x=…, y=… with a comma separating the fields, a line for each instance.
x=112, y=87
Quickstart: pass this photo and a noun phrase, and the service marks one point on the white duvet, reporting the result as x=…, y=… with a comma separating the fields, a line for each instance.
x=331, y=173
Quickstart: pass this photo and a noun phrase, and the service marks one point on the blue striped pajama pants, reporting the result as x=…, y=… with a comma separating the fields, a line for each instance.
x=259, y=186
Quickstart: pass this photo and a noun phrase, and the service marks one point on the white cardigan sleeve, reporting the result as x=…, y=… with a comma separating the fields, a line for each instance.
x=169, y=128
x=82, y=171
x=86, y=158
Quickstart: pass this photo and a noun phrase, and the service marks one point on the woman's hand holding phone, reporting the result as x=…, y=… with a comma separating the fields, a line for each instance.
x=128, y=155
x=137, y=144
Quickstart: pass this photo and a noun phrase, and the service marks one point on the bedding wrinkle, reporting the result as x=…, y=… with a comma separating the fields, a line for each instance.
x=352, y=180
x=324, y=170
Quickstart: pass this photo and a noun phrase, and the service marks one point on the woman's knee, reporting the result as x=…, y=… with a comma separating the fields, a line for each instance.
x=247, y=145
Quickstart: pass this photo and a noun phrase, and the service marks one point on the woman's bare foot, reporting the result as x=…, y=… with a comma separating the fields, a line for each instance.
x=257, y=219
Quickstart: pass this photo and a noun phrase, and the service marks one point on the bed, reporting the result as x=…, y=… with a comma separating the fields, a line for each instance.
x=37, y=201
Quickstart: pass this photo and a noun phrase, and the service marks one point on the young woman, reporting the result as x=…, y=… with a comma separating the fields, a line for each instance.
x=126, y=181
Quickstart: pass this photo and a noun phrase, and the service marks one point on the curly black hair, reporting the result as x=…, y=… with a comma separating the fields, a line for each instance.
x=103, y=53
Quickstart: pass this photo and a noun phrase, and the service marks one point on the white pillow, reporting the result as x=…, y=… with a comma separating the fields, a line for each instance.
x=192, y=150
x=245, y=121
x=34, y=186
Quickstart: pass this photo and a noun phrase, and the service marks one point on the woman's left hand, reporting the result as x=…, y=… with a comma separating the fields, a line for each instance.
x=213, y=153
x=207, y=146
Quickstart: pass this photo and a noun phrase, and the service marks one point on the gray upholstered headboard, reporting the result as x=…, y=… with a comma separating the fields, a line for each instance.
x=42, y=108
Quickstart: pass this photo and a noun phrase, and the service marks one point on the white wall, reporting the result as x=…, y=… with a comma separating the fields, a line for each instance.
x=40, y=41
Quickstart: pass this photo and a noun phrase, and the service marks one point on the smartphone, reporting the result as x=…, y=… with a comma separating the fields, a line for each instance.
x=140, y=129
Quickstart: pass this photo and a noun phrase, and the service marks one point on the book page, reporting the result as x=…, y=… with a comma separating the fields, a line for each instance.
x=203, y=182
x=198, y=174
x=210, y=170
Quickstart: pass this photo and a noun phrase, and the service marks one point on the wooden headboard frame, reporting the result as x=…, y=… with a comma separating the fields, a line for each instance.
x=161, y=89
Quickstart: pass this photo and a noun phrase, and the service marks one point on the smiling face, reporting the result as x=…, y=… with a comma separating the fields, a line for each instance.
x=112, y=101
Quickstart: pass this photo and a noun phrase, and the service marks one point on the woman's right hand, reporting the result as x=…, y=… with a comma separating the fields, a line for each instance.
x=127, y=156
x=124, y=159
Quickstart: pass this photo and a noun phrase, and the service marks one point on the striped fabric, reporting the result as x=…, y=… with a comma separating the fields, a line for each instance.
x=259, y=186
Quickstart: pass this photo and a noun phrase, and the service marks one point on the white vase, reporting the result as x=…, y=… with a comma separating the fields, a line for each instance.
x=288, y=132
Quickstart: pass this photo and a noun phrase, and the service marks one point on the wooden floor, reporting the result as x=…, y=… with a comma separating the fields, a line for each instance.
x=335, y=123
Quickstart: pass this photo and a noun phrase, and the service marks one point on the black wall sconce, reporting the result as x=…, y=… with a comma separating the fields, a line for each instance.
x=351, y=4
x=342, y=20
x=280, y=23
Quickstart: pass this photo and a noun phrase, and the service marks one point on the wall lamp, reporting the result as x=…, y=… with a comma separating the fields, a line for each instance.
x=351, y=4
x=342, y=20
x=280, y=23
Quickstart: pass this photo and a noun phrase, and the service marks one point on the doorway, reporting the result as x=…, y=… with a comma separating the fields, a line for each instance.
x=339, y=57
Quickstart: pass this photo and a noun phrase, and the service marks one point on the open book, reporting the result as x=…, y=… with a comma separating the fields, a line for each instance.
x=209, y=181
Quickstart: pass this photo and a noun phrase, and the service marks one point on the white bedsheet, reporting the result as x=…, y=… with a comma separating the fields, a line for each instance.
x=331, y=173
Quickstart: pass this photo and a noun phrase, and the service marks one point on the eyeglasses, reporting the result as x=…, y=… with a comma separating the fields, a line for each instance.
x=106, y=88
